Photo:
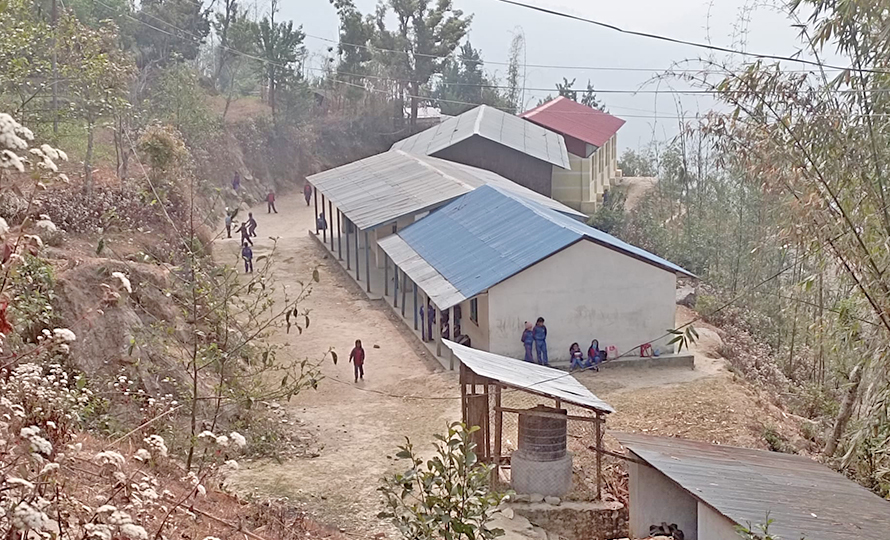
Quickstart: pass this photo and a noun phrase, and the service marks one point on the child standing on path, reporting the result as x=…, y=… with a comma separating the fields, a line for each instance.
x=270, y=202
x=357, y=357
x=307, y=192
x=528, y=340
x=228, y=223
x=540, y=333
x=247, y=255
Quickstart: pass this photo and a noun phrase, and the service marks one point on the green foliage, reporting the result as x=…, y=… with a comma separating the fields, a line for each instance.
x=585, y=97
x=445, y=497
x=32, y=288
x=281, y=46
x=463, y=80
x=610, y=217
x=759, y=532
x=178, y=99
x=683, y=337
x=25, y=45
x=633, y=163
x=156, y=45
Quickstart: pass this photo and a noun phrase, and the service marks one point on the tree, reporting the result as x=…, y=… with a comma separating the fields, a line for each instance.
x=464, y=81
x=586, y=97
x=171, y=31
x=446, y=496
x=426, y=34
x=97, y=75
x=280, y=45
x=633, y=163
x=356, y=33
x=25, y=45
x=516, y=73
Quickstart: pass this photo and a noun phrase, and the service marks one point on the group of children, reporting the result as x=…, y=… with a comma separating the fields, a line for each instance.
x=534, y=338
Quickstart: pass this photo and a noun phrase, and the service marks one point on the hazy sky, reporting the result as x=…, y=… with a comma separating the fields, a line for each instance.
x=558, y=41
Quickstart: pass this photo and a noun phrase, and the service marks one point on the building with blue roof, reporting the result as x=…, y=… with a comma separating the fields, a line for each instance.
x=494, y=259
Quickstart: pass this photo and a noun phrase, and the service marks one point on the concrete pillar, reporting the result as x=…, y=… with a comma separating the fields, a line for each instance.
x=368, y=261
x=315, y=201
x=348, y=262
x=340, y=236
x=324, y=233
x=331, y=222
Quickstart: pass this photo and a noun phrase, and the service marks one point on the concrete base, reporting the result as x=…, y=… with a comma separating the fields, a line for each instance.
x=676, y=360
x=577, y=520
x=548, y=478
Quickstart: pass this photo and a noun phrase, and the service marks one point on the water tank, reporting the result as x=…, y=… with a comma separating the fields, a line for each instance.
x=542, y=438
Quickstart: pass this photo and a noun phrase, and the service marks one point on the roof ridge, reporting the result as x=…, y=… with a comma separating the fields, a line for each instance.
x=440, y=172
x=478, y=123
x=542, y=107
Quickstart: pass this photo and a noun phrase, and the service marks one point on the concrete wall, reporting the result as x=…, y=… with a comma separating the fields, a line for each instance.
x=654, y=498
x=521, y=168
x=605, y=168
x=585, y=291
x=478, y=332
x=572, y=187
x=715, y=526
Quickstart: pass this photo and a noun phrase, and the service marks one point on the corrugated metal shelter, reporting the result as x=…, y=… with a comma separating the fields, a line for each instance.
x=485, y=237
x=378, y=190
x=504, y=259
x=575, y=120
x=484, y=375
x=491, y=139
x=802, y=497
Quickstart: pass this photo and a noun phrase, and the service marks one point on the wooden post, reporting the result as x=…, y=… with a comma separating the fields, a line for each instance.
x=315, y=200
x=414, y=288
x=498, y=425
x=451, y=336
x=404, y=290
x=324, y=232
x=331, y=222
x=367, y=262
x=463, y=393
x=437, y=329
x=348, y=226
x=358, y=265
x=395, y=284
x=385, y=275
x=599, y=456
x=486, y=428
x=340, y=236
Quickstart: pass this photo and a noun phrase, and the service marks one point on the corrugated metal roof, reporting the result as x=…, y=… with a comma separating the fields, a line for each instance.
x=525, y=375
x=495, y=125
x=490, y=234
x=803, y=498
x=568, y=117
x=382, y=188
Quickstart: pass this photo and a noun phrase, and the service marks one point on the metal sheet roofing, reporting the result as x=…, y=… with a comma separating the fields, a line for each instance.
x=490, y=234
x=387, y=186
x=495, y=125
x=803, y=498
x=573, y=119
x=527, y=376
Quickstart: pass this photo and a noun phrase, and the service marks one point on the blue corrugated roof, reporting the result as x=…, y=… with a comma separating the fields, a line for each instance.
x=484, y=237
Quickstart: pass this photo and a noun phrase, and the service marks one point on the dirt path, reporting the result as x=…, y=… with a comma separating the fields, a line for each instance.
x=357, y=425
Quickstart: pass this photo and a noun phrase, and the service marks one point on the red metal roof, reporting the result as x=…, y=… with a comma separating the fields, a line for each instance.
x=573, y=119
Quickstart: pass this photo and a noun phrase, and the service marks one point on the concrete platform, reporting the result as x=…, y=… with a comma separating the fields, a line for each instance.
x=682, y=360
x=577, y=520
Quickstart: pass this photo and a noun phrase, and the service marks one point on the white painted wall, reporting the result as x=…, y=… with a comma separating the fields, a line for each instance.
x=572, y=186
x=478, y=332
x=654, y=499
x=715, y=526
x=585, y=291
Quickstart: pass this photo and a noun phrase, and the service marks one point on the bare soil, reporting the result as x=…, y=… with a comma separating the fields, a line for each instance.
x=358, y=426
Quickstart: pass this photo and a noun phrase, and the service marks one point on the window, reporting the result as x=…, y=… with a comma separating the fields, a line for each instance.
x=474, y=310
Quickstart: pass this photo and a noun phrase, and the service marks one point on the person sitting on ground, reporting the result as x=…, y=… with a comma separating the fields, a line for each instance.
x=576, y=356
x=245, y=233
x=251, y=224
x=595, y=355
x=321, y=223
x=247, y=255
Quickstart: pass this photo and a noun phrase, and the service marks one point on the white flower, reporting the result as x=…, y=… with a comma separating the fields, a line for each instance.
x=133, y=531
x=98, y=531
x=4, y=227
x=9, y=159
x=157, y=445
x=222, y=440
x=210, y=538
x=106, y=509
x=206, y=435
x=110, y=458
x=125, y=281
x=38, y=443
x=230, y=466
x=142, y=455
x=19, y=482
x=238, y=439
x=202, y=490
x=49, y=468
x=65, y=334
x=26, y=517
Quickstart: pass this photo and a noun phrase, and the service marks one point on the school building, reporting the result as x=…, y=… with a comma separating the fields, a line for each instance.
x=494, y=259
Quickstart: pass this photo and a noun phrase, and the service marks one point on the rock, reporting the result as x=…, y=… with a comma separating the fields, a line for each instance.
x=508, y=513
x=552, y=500
x=686, y=296
x=376, y=346
x=535, y=498
x=48, y=232
x=520, y=498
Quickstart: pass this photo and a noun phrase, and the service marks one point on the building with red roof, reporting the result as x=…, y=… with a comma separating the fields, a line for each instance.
x=590, y=137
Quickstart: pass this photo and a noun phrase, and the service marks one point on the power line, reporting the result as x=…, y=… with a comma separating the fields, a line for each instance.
x=668, y=39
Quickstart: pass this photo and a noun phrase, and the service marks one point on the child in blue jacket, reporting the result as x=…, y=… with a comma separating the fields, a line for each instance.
x=528, y=340
x=540, y=335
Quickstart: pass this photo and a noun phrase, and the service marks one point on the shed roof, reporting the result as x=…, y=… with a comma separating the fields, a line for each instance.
x=495, y=125
x=802, y=497
x=526, y=376
x=382, y=188
x=487, y=236
x=573, y=119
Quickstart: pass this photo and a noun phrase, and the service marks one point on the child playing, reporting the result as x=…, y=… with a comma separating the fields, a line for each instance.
x=595, y=355
x=528, y=340
x=357, y=357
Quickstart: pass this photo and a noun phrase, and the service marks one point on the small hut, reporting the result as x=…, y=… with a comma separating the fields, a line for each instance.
x=540, y=461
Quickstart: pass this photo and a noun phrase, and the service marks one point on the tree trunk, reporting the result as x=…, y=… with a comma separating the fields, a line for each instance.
x=846, y=411
x=88, y=161
x=415, y=94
